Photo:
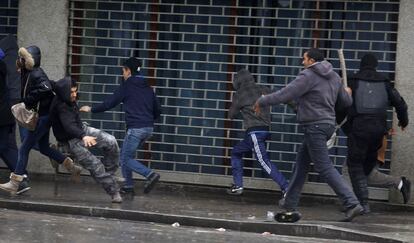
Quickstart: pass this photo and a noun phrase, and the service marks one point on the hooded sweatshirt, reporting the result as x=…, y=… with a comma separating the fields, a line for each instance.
x=64, y=114
x=316, y=90
x=140, y=103
x=247, y=92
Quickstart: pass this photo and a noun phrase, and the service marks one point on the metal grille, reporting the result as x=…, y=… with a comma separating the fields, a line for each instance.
x=191, y=49
x=8, y=17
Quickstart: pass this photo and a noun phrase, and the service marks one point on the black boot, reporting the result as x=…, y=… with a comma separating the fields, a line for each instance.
x=288, y=216
x=352, y=212
x=151, y=181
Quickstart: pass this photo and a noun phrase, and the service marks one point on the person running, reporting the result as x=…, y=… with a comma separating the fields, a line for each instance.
x=141, y=107
x=367, y=123
x=316, y=90
x=257, y=131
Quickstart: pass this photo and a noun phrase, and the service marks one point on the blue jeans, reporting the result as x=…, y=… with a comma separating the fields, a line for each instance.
x=255, y=141
x=40, y=136
x=8, y=147
x=134, y=139
x=23, y=133
x=314, y=150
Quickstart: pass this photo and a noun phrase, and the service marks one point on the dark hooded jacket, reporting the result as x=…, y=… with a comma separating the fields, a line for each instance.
x=316, y=90
x=140, y=103
x=64, y=114
x=247, y=92
x=38, y=91
x=368, y=72
x=6, y=117
x=9, y=45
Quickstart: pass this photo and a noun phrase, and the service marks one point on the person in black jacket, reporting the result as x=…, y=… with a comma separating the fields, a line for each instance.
x=77, y=137
x=367, y=122
x=8, y=155
x=9, y=45
x=37, y=94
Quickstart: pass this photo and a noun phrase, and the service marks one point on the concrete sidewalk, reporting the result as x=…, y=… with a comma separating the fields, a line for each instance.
x=211, y=207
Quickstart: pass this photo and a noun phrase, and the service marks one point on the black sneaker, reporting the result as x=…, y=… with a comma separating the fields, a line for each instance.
x=152, y=180
x=353, y=212
x=406, y=189
x=366, y=208
x=127, y=190
x=235, y=190
x=288, y=216
x=23, y=186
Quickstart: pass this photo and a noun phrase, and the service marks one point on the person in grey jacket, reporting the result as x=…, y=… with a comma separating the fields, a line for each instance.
x=316, y=90
x=257, y=131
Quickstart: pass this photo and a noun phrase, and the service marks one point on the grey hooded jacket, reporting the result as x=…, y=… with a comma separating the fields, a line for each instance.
x=247, y=92
x=316, y=90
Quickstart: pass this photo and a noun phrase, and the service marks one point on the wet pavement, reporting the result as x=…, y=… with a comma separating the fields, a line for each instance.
x=211, y=207
x=18, y=226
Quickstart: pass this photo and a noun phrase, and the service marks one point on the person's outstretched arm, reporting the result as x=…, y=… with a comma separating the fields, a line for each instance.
x=109, y=102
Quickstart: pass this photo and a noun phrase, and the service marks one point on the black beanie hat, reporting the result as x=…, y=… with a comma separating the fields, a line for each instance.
x=133, y=64
x=369, y=61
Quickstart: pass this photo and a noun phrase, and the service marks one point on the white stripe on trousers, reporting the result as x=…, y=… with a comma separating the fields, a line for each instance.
x=259, y=154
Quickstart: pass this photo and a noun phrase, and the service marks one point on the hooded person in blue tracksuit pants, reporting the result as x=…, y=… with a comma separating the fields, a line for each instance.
x=141, y=107
x=257, y=131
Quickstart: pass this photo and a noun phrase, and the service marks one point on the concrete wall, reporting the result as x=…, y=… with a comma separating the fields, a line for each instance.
x=45, y=23
x=402, y=143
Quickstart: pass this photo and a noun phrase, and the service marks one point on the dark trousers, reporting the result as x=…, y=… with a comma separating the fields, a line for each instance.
x=364, y=140
x=40, y=136
x=8, y=147
x=314, y=150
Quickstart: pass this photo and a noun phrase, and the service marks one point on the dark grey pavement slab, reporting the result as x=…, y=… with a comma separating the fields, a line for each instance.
x=211, y=207
x=19, y=227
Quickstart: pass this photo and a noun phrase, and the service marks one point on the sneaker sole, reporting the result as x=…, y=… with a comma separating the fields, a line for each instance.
x=234, y=193
x=23, y=191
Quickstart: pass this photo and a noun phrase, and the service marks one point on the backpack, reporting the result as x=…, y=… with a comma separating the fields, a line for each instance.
x=370, y=97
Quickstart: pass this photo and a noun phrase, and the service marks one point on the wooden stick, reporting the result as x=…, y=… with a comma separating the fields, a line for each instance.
x=343, y=67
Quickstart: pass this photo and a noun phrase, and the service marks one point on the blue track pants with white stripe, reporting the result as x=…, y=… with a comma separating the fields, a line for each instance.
x=256, y=142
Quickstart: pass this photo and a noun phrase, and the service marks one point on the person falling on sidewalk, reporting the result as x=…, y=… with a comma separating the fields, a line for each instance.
x=141, y=107
x=257, y=131
x=78, y=138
